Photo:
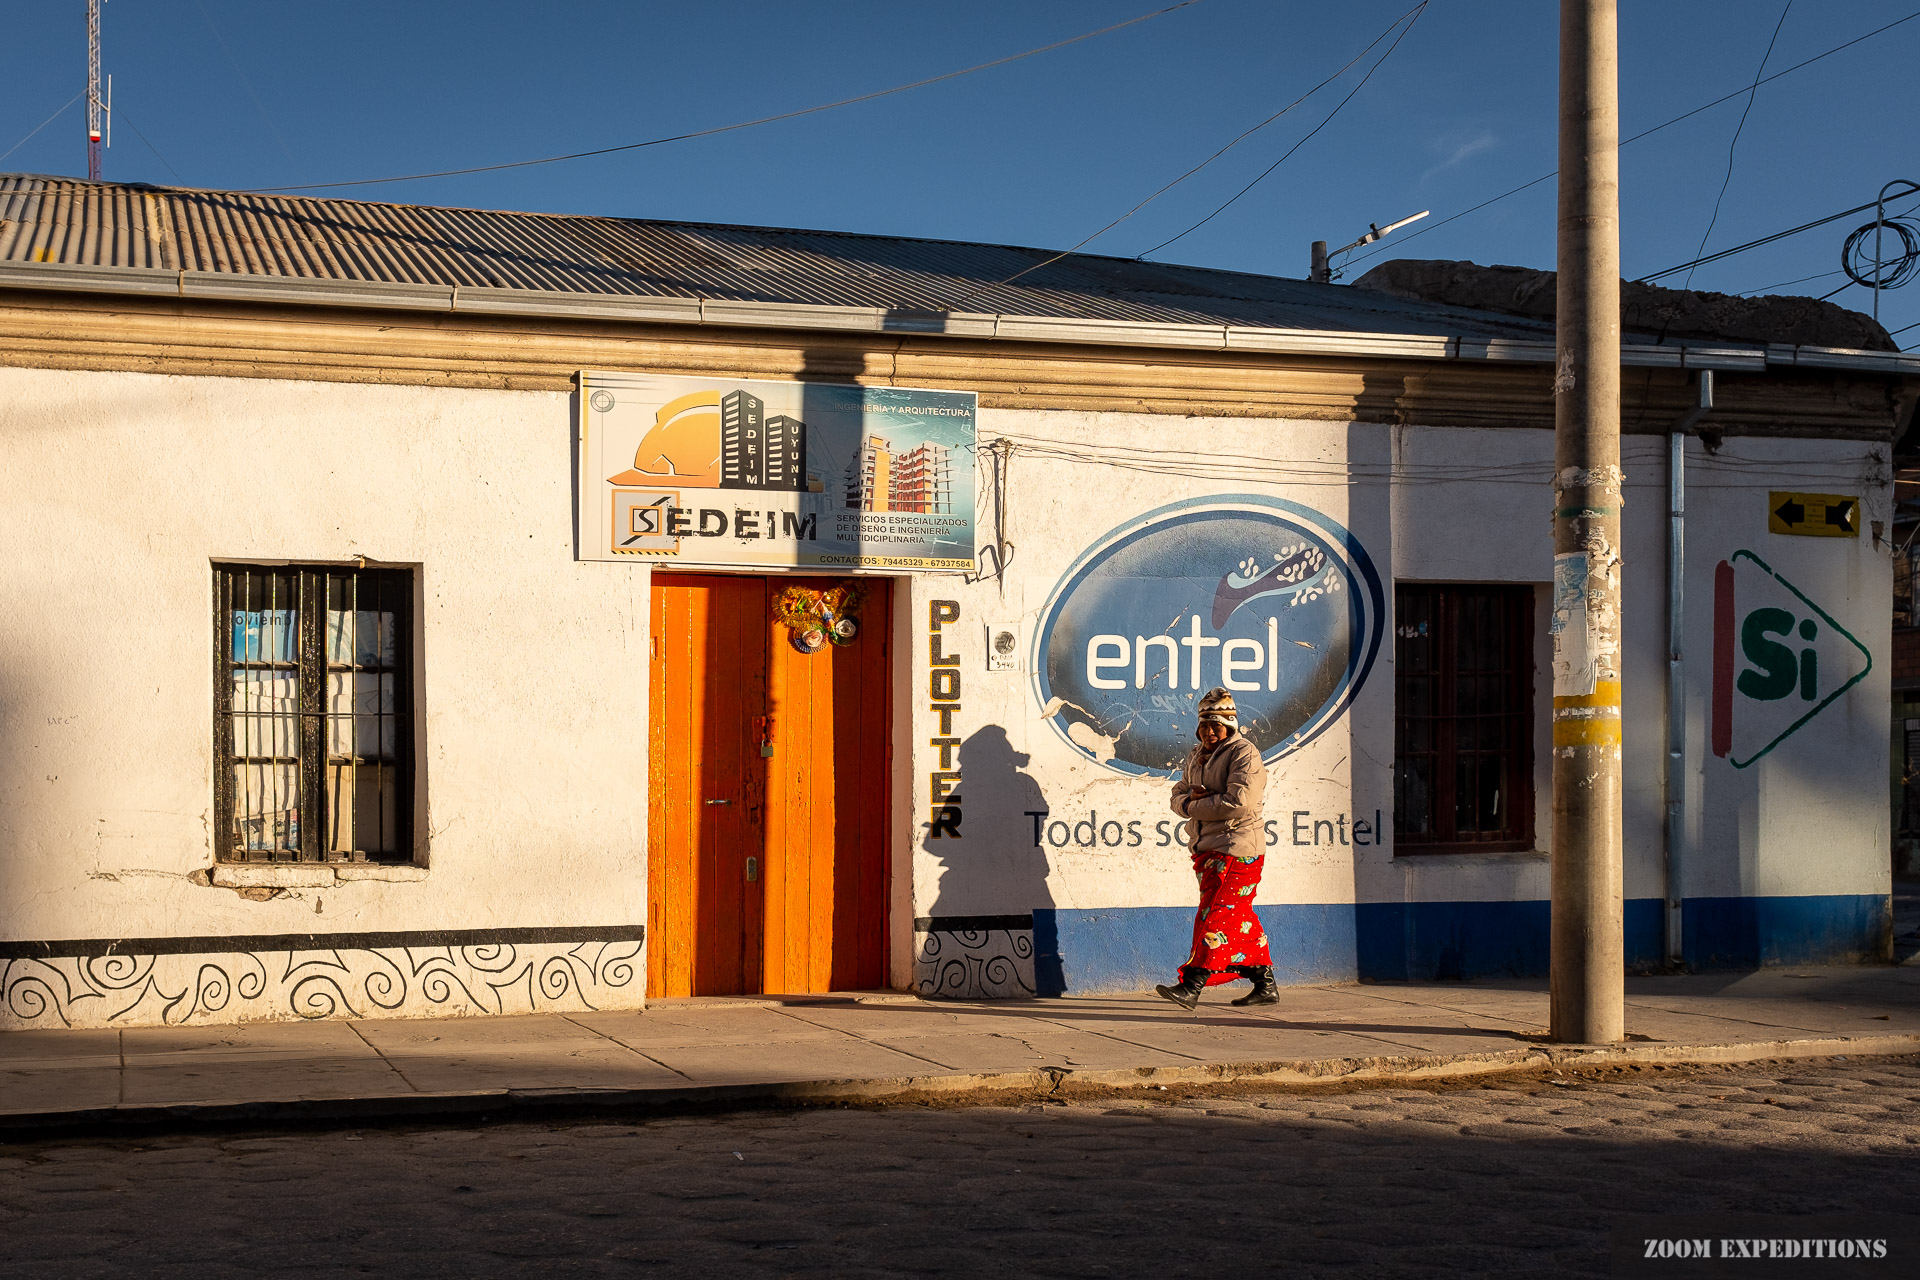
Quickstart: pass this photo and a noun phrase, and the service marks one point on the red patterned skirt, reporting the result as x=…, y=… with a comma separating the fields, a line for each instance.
x=1225, y=930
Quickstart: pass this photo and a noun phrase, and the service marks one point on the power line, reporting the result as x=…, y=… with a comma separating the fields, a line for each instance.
x=1818, y=275
x=1416, y=12
x=1728, y=473
x=1738, y=129
x=245, y=83
x=1707, y=106
x=156, y=151
x=1755, y=244
x=744, y=124
x=43, y=124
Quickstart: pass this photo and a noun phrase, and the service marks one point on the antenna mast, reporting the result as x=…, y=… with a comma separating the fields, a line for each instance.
x=99, y=110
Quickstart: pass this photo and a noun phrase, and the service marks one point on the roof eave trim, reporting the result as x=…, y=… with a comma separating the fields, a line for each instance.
x=545, y=304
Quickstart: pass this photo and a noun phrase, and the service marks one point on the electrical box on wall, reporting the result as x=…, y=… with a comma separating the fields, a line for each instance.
x=1003, y=646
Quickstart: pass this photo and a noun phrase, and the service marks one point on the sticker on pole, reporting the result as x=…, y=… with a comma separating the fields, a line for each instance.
x=1779, y=659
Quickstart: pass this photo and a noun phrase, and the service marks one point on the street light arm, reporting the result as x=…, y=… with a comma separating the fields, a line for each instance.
x=1375, y=231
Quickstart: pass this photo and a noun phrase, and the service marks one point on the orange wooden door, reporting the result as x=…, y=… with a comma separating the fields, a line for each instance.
x=827, y=815
x=759, y=752
x=706, y=787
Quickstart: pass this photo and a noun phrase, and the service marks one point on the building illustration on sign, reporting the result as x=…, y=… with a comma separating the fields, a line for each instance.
x=1779, y=659
x=758, y=452
x=919, y=481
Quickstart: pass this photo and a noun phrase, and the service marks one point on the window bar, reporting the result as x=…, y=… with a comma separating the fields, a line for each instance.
x=1446, y=740
x=283, y=597
x=246, y=783
x=360, y=846
x=339, y=815
x=312, y=695
x=276, y=840
x=258, y=733
x=363, y=847
x=259, y=597
x=239, y=741
x=381, y=683
x=347, y=731
x=378, y=844
x=223, y=709
x=339, y=662
x=402, y=717
x=290, y=831
x=396, y=600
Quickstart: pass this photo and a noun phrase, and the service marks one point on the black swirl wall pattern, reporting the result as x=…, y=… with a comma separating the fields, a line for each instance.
x=179, y=981
x=973, y=957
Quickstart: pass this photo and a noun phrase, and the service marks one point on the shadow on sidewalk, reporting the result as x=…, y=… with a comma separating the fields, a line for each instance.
x=1060, y=1012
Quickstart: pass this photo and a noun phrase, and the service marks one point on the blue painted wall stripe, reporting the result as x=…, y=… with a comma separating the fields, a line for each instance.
x=1132, y=948
x=1745, y=933
x=1115, y=949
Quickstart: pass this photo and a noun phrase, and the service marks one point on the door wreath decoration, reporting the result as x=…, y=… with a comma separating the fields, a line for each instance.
x=818, y=616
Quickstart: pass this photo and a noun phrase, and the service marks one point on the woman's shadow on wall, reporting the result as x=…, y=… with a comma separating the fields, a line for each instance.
x=990, y=863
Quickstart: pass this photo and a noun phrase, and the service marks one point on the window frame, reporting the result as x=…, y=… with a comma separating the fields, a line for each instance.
x=1518, y=834
x=311, y=662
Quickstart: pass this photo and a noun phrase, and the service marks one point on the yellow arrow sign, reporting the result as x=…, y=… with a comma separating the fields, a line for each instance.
x=1814, y=515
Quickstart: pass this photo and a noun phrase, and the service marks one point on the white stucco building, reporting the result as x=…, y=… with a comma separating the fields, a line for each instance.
x=342, y=678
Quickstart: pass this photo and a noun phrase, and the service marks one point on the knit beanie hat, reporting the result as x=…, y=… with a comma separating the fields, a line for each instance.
x=1216, y=706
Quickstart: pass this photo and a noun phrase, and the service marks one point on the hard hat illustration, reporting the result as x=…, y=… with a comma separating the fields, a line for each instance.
x=684, y=444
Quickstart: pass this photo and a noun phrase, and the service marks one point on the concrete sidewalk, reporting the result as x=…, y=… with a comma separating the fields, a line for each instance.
x=866, y=1047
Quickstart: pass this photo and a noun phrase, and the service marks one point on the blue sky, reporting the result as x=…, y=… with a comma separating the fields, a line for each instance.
x=1044, y=151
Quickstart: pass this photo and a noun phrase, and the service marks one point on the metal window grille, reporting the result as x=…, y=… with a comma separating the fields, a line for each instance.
x=1463, y=718
x=1909, y=816
x=1905, y=563
x=313, y=713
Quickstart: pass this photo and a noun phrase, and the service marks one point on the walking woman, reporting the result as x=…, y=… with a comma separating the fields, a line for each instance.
x=1220, y=793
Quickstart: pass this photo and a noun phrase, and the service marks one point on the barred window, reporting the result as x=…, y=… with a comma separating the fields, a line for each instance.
x=1905, y=564
x=1463, y=717
x=313, y=725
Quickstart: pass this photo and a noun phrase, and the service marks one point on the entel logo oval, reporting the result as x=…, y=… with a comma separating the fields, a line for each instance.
x=1268, y=598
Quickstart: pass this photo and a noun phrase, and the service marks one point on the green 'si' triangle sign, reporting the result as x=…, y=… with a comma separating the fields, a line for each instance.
x=1779, y=659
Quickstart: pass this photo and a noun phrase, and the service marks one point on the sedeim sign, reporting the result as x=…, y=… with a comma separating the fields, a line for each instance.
x=730, y=473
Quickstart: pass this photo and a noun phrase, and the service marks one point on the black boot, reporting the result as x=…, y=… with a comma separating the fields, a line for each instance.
x=1192, y=982
x=1265, y=990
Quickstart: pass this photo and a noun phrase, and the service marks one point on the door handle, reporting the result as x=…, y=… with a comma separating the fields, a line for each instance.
x=719, y=802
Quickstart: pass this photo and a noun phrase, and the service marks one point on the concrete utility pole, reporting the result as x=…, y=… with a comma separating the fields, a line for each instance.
x=1588, y=976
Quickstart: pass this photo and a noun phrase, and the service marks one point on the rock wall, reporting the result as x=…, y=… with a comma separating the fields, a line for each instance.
x=1644, y=308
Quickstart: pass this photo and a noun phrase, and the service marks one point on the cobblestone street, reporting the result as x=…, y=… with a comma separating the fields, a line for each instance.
x=1523, y=1177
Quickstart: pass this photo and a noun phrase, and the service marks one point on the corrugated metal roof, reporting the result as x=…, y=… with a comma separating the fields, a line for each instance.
x=100, y=224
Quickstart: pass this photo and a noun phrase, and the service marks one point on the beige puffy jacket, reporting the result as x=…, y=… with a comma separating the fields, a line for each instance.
x=1229, y=817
